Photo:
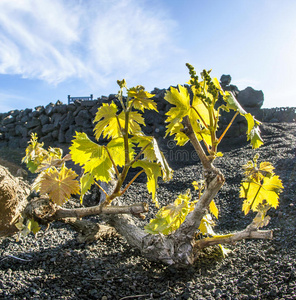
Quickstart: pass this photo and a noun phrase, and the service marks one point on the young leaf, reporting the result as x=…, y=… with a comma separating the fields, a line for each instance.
x=214, y=209
x=35, y=154
x=153, y=171
x=33, y=226
x=116, y=151
x=206, y=225
x=181, y=99
x=59, y=185
x=253, y=132
x=135, y=120
x=107, y=122
x=141, y=99
x=170, y=217
x=152, y=153
x=256, y=192
x=86, y=181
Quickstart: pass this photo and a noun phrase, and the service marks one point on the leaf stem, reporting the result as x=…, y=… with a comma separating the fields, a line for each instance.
x=230, y=123
x=101, y=189
x=201, y=118
x=139, y=154
x=129, y=184
x=113, y=163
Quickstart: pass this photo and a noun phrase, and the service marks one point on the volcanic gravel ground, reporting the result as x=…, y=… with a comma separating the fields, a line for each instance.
x=55, y=266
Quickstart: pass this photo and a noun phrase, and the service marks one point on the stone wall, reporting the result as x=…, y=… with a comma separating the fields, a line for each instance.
x=55, y=124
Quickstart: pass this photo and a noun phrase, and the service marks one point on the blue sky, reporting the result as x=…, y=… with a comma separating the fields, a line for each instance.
x=52, y=48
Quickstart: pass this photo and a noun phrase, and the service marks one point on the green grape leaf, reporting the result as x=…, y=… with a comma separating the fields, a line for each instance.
x=197, y=112
x=135, y=120
x=86, y=181
x=35, y=154
x=141, y=99
x=116, y=150
x=107, y=122
x=92, y=157
x=257, y=192
x=170, y=217
x=59, y=185
x=180, y=137
x=153, y=171
x=253, y=172
x=152, y=153
x=180, y=98
x=33, y=226
x=253, y=131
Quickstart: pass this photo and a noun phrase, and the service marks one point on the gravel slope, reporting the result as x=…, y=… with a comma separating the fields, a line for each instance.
x=55, y=266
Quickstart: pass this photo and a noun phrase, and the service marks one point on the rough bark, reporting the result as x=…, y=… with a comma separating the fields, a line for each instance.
x=44, y=211
x=88, y=231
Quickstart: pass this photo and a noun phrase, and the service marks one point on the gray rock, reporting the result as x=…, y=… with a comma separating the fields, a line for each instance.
x=69, y=134
x=37, y=130
x=8, y=120
x=225, y=80
x=40, y=108
x=55, y=119
x=47, y=139
x=14, y=143
x=88, y=103
x=21, y=130
x=25, y=119
x=33, y=123
x=250, y=98
x=71, y=107
x=82, y=117
x=48, y=128
x=55, y=134
x=49, y=109
x=44, y=119
x=61, y=136
x=232, y=88
x=36, y=114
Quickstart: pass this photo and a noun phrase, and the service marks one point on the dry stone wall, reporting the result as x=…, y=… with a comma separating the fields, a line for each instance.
x=55, y=124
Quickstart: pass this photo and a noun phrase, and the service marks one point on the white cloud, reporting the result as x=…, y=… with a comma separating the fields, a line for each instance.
x=59, y=39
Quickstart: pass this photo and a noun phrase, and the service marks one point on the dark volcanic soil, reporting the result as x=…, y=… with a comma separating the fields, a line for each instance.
x=55, y=266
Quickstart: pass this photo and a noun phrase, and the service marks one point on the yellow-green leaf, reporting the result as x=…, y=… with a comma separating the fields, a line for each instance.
x=170, y=217
x=116, y=150
x=35, y=154
x=225, y=251
x=152, y=153
x=92, y=157
x=33, y=226
x=86, y=181
x=181, y=99
x=141, y=99
x=253, y=131
x=206, y=225
x=214, y=209
x=255, y=193
x=107, y=121
x=153, y=171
